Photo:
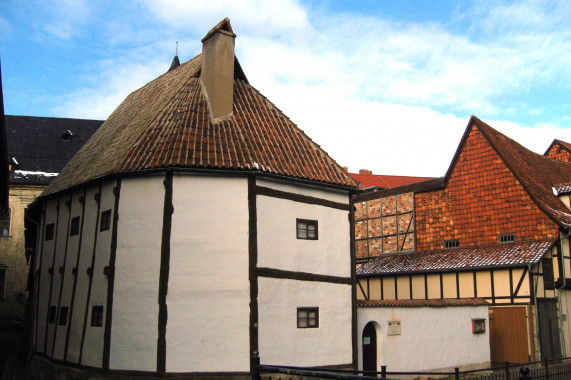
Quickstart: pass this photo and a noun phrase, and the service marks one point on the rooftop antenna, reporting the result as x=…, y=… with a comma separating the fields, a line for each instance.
x=175, y=62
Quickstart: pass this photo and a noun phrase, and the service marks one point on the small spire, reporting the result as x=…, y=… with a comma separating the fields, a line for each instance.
x=175, y=62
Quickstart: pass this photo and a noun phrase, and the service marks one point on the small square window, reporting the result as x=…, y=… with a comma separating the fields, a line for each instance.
x=454, y=243
x=307, y=317
x=63, y=315
x=105, y=220
x=507, y=238
x=50, y=228
x=74, y=228
x=52, y=314
x=97, y=316
x=478, y=326
x=307, y=229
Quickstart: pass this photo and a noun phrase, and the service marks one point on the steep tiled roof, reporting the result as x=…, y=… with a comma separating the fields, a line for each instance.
x=39, y=147
x=451, y=259
x=445, y=302
x=385, y=181
x=166, y=124
x=536, y=173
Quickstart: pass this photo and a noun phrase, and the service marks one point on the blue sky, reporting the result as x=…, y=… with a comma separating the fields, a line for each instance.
x=382, y=85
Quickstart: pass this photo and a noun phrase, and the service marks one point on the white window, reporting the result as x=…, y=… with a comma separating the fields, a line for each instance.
x=307, y=229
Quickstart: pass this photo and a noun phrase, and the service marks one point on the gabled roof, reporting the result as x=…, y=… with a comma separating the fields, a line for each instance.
x=562, y=144
x=385, y=181
x=453, y=259
x=166, y=124
x=42, y=146
x=537, y=174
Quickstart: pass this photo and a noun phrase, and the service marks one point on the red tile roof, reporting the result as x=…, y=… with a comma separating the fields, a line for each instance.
x=563, y=144
x=444, y=302
x=385, y=181
x=166, y=124
x=536, y=173
x=452, y=259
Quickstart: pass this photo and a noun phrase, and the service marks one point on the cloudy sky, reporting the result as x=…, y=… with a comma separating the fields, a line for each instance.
x=383, y=85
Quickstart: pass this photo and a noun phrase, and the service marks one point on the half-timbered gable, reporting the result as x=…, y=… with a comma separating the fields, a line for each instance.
x=197, y=228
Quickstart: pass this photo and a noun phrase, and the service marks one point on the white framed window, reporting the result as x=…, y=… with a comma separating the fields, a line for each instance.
x=307, y=229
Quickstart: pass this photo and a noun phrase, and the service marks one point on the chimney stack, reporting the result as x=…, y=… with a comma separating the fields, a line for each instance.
x=217, y=71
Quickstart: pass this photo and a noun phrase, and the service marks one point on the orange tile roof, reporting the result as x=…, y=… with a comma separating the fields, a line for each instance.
x=385, y=181
x=444, y=302
x=453, y=259
x=537, y=174
x=166, y=124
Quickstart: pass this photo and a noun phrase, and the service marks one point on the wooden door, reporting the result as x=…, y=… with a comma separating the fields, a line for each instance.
x=370, y=348
x=508, y=335
x=548, y=322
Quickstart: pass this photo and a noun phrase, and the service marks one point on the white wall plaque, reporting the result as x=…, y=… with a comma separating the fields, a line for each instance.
x=394, y=328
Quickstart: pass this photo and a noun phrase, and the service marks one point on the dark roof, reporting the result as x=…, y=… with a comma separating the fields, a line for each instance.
x=382, y=181
x=443, y=302
x=167, y=124
x=537, y=174
x=39, y=146
x=452, y=259
x=175, y=63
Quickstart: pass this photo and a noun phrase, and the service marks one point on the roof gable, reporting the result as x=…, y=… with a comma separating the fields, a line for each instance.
x=537, y=174
x=166, y=124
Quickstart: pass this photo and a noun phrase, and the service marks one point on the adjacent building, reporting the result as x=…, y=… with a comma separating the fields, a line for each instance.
x=495, y=228
x=37, y=149
x=199, y=227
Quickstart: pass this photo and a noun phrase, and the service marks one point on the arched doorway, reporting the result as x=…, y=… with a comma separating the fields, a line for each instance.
x=369, y=342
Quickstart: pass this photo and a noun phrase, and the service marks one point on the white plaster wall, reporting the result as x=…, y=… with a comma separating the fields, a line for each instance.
x=279, y=247
x=282, y=343
x=137, y=265
x=339, y=196
x=85, y=255
x=70, y=253
x=208, y=294
x=431, y=337
x=93, y=346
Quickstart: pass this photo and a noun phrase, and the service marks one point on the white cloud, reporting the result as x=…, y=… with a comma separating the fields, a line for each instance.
x=364, y=88
x=66, y=18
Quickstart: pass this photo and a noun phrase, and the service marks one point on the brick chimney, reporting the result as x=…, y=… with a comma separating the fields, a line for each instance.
x=365, y=172
x=217, y=71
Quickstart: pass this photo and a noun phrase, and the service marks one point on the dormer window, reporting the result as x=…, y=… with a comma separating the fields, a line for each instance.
x=507, y=238
x=67, y=135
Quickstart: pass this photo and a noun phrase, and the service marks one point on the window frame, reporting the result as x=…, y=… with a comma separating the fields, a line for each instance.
x=96, y=316
x=506, y=238
x=105, y=222
x=307, y=223
x=306, y=318
x=50, y=231
x=74, y=226
x=452, y=243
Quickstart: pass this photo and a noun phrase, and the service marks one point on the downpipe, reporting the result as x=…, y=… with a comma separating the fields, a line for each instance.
x=559, y=290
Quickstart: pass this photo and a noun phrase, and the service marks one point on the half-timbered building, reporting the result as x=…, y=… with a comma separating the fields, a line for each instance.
x=197, y=228
x=494, y=228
